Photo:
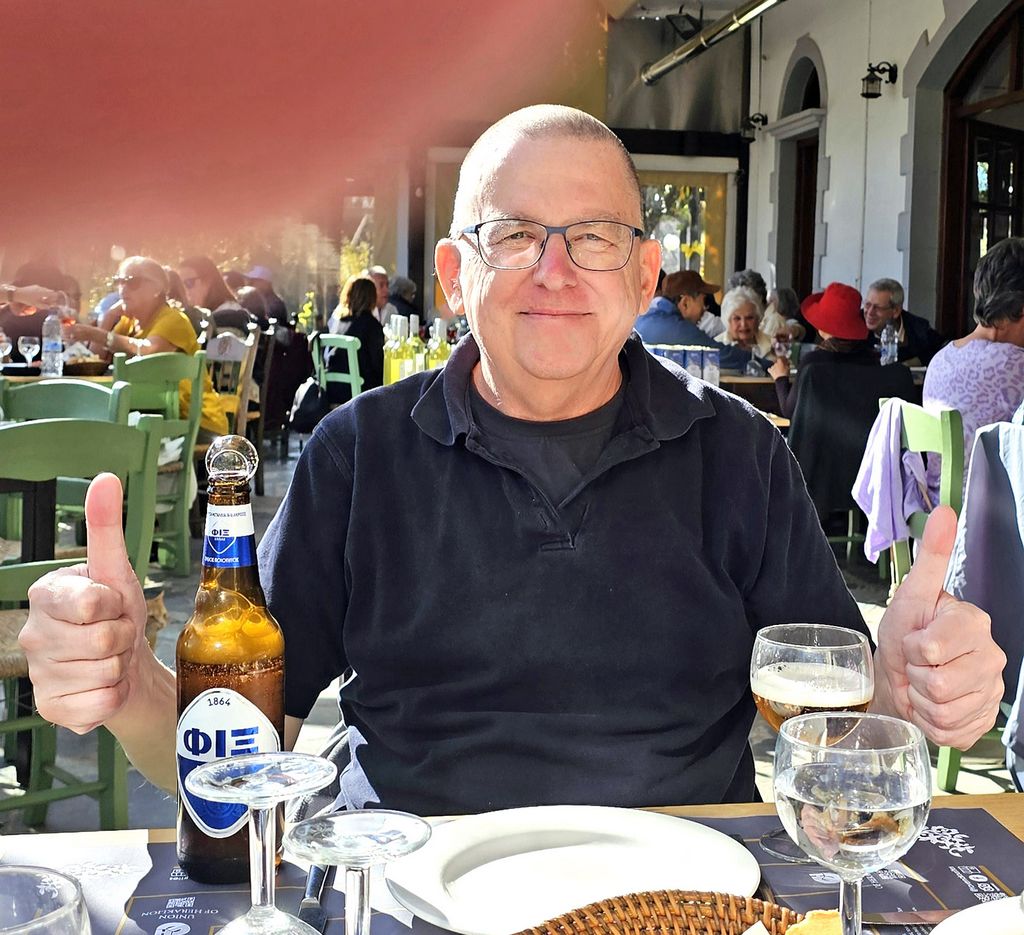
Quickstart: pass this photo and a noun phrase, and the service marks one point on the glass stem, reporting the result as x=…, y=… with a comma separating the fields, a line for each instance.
x=849, y=906
x=357, y=901
x=262, y=851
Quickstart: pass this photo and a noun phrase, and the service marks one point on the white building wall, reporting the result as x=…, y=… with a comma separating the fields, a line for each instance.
x=868, y=145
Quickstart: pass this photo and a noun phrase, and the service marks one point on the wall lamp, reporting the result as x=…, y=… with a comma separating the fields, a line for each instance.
x=871, y=83
x=752, y=124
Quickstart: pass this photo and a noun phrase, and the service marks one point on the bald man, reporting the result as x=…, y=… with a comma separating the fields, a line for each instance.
x=566, y=614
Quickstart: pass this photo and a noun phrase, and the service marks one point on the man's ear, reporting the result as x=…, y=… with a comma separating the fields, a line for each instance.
x=448, y=263
x=650, y=265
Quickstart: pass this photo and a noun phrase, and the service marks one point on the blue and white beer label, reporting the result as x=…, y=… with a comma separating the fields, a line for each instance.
x=217, y=723
x=229, y=541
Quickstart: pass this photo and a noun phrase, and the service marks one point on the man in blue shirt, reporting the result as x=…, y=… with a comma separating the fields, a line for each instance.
x=672, y=318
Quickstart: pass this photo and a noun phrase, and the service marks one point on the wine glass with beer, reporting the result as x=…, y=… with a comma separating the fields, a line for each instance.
x=803, y=668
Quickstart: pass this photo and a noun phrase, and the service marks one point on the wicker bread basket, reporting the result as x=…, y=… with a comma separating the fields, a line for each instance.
x=670, y=912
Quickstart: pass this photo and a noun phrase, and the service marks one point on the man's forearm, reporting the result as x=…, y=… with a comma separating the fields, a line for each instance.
x=146, y=726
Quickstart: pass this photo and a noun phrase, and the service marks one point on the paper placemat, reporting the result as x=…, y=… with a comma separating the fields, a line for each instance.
x=963, y=857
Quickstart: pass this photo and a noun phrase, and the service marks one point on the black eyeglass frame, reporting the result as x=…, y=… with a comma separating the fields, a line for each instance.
x=635, y=232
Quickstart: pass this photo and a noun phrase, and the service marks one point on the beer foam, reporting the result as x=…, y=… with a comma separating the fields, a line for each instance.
x=811, y=685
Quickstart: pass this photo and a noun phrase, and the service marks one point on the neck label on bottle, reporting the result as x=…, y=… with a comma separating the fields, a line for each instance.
x=217, y=723
x=229, y=539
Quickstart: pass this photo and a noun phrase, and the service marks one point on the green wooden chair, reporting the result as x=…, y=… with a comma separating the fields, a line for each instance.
x=343, y=344
x=939, y=433
x=155, y=381
x=65, y=399
x=60, y=399
x=230, y=360
x=43, y=450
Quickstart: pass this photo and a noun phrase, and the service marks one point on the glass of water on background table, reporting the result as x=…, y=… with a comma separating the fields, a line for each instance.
x=853, y=790
x=40, y=901
x=262, y=781
x=797, y=668
x=28, y=346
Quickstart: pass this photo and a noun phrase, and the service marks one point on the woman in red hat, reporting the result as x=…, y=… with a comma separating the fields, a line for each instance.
x=842, y=339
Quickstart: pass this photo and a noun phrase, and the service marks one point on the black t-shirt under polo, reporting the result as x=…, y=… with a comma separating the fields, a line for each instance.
x=510, y=651
x=555, y=456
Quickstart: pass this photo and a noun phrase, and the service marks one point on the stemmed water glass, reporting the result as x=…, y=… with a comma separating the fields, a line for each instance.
x=358, y=841
x=28, y=346
x=40, y=901
x=797, y=668
x=5, y=346
x=262, y=781
x=853, y=790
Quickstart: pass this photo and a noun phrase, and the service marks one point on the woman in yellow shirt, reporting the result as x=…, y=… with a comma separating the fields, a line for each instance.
x=149, y=325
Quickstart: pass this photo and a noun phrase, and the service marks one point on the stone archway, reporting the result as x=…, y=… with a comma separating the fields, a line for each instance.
x=798, y=238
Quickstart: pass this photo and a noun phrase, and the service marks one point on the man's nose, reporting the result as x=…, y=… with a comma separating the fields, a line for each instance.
x=555, y=267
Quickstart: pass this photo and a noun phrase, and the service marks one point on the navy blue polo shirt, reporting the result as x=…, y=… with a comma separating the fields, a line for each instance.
x=509, y=651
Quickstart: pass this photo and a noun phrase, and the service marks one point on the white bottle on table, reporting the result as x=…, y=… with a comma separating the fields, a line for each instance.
x=52, y=360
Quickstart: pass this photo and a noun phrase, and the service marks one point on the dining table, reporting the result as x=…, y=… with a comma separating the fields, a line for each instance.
x=111, y=863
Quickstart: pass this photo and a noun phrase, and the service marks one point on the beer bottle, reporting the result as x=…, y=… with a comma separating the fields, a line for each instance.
x=230, y=670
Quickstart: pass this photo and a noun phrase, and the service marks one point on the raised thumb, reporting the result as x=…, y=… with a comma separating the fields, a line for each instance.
x=928, y=574
x=107, y=556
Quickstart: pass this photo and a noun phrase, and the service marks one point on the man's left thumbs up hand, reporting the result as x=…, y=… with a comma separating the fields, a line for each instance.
x=937, y=664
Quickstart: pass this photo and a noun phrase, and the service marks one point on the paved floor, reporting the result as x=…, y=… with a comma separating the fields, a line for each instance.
x=151, y=807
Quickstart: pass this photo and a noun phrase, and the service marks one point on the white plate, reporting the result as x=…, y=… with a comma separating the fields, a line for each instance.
x=502, y=872
x=1002, y=917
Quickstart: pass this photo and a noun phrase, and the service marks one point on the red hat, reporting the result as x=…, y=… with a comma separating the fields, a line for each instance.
x=837, y=312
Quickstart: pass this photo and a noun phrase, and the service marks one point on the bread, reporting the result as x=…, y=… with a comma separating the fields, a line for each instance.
x=818, y=922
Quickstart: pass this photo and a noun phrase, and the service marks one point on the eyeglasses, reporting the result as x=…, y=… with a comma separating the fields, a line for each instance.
x=190, y=282
x=512, y=243
x=868, y=307
x=128, y=282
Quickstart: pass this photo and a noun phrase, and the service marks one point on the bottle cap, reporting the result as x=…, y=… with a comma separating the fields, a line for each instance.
x=232, y=458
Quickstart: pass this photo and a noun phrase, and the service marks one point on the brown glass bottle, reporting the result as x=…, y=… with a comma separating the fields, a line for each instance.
x=230, y=682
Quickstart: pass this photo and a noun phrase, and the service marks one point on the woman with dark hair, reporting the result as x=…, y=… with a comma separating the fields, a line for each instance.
x=354, y=317
x=205, y=288
x=177, y=295
x=982, y=373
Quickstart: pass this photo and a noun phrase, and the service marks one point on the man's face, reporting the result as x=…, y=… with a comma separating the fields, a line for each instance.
x=381, y=282
x=742, y=325
x=878, y=309
x=691, y=307
x=554, y=321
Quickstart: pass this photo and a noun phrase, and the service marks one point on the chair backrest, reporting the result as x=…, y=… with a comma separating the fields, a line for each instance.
x=156, y=384
x=47, y=449
x=230, y=360
x=836, y=407
x=937, y=433
x=346, y=346
x=65, y=399
x=156, y=380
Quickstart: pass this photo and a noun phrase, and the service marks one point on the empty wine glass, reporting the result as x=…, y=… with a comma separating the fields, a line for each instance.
x=853, y=790
x=357, y=841
x=262, y=781
x=798, y=668
x=40, y=901
x=5, y=346
x=28, y=346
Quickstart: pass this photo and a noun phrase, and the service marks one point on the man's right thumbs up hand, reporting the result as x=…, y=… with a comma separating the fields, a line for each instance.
x=85, y=634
